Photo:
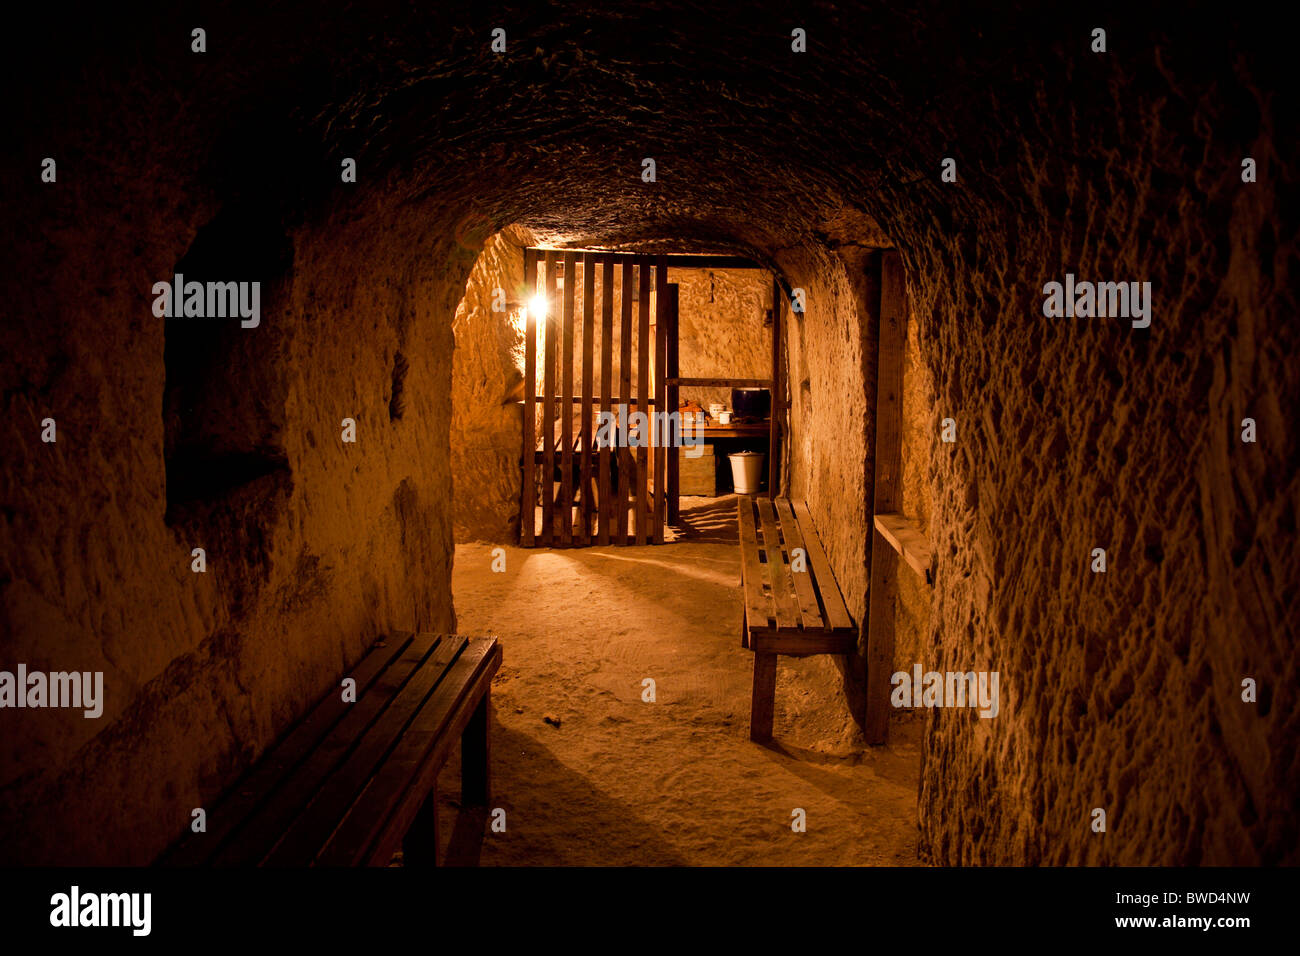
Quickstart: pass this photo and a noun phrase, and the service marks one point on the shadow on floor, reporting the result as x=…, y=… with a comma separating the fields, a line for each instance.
x=708, y=521
x=567, y=824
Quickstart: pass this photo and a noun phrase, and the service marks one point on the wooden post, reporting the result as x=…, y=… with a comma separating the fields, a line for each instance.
x=566, y=402
x=528, y=483
x=588, y=340
x=762, y=704
x=778, y=398
x=670, y=405
x=606, y=383
x=420, y=845
x=643, y=393
x=548, y=407
x=476, y=756
x=888, y=494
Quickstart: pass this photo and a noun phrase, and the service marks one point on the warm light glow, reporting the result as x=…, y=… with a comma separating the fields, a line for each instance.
x=537, y=307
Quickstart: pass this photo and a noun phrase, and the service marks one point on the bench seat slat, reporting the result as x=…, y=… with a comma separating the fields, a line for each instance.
x=374, y=825
x=837, y=615
x=308, y=833
x=757, y=604
x=804, y=588
x=268, y=822
x=284, y=757
x=778, y=571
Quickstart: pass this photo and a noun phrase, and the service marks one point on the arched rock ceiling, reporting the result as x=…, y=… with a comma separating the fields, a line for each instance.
x=757, y=148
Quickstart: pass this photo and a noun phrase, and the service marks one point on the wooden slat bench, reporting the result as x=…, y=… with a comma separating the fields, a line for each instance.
x=353, y=781
x=787, y=611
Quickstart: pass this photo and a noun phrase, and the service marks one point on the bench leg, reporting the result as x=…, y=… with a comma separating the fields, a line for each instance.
x=760, y=714
x=420, y=845
x=744, y=628
x=476, y=757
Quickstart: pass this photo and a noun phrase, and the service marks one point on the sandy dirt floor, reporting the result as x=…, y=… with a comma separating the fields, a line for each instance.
x=589, y=773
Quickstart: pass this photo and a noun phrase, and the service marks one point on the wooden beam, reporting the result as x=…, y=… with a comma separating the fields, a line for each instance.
x=578, y=400
x=778, y=396
x=588, y=343
x=684, y=261
x=799, y=644
x=904, y=538
x=888, y=495
x=606, y=386
x=548, y=406
x=528, y=483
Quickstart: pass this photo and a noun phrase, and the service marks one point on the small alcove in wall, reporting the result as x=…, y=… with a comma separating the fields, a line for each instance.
x=224, y=392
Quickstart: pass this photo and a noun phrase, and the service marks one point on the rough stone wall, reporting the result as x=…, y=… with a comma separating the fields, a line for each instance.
x=832, y=425
x=1119, y=690
x=305, y=565
x=720, y=327
x=486, y=422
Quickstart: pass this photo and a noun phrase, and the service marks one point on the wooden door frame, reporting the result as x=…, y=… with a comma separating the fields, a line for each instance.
x=648, y=515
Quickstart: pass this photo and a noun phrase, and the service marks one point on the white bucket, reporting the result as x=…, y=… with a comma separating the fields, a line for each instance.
x=746, y=469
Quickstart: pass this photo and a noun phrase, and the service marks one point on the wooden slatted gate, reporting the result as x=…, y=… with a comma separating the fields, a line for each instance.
x=590, y=494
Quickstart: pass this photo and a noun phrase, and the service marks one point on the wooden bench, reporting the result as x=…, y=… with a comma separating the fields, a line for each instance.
x=792, y=604
x=354, y=781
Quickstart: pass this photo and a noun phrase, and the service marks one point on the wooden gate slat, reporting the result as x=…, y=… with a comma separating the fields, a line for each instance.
x=566, y=402
x=548, y=407
x=671, y=371
x=606, y=384
x=625, y=457
x=584, y=423
x=528, y=460
x=662, y=434
x=642, y=394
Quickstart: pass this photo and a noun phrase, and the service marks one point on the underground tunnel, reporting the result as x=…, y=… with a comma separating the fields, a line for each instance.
x=970, y=337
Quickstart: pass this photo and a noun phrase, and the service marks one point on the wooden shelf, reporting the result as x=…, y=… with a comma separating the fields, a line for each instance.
x=719, y=382
x=904, y=538
x=751, y=430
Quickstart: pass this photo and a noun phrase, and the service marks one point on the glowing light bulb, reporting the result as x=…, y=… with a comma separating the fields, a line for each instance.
x=537, y=307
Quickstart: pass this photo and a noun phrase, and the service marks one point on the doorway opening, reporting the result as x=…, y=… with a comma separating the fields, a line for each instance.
x=614, y=433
